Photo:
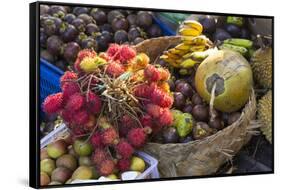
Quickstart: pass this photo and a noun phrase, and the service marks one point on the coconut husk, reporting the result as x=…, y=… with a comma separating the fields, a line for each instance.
x=200, y=157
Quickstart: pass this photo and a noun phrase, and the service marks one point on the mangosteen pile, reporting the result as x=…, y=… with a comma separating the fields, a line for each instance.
x=224, y=27
x=65, y=30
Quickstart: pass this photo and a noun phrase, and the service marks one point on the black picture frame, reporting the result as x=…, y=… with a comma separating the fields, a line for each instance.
x=34, y=94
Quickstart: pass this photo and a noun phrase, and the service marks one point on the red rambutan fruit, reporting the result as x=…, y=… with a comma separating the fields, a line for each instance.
x=68, y=89
x=99, y=155
x=137, y=137
x=128, y=121
x=161, y=98
x=142, y=91
x=67, y=77
x=127, y=53
x=124, y=149
x=113, y=49
x=114, y=69
x=153, y=110
x=96, y=140
x=75, y=102
x=123, y=130
x=93, y=103
x=123, y=165
x=146, y=121
x=67, y=115
x=166, y=118
x=81, y=117
x=109, y=136
x=78, y=131
x=53, y=103
x=106, y=167
x=81, y=55
x=152, y=74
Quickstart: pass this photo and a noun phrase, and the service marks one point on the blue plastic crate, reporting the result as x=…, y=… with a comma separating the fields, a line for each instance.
x=167, y=31
x=49, y=79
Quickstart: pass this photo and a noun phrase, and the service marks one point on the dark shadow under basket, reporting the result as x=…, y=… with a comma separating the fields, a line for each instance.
x=200, y=157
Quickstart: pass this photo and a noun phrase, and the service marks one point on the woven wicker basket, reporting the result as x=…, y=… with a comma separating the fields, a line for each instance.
x=200, y=157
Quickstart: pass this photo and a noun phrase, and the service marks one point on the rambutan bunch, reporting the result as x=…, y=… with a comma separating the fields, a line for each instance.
x=122, y=53
x=53, y=103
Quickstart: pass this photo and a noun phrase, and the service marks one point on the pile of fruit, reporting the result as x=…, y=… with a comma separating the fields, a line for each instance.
x=64, y=161
x=113, y=101
x=65, y=30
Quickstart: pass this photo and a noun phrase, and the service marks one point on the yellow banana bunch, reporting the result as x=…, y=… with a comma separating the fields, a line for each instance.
x=185, y=55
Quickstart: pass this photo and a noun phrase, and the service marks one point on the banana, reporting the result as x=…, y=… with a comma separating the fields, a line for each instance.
x=194, y=24
x=198, y=48
x=189, y=31
x=239, y=42
x=183, y=47
x=177, y=51
x=188, y=63
x=238, y=49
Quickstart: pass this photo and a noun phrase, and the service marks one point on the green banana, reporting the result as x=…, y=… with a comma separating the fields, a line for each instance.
x=238, y=49
x=239, y=42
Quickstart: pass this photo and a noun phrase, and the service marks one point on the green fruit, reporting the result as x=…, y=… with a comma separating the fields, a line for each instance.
x=82, y=148
x=265, y=115
x=43, y=154
x=91, y=64
x=85, y=161
x=57, y=149
x=67, y=161
x=95, y=173
x=238, y=21
x=61, y=174
x=184, y=124
x=112, y=176
x=82, y=172
x=47, y=165
x=239, y=42
x=176, y=115
x=44, y=179
x=242, y=50
x=233, y=77
x=137, y=164
x=261, y=62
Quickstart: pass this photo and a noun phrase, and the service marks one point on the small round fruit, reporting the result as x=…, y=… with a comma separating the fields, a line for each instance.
x=144, y=19
x=200, y=113
x=82, y=148
x=61, y=174
x=44, y=179
x=134, y=33
x=138, y=40
x=69, y=18
x=106, y=27
x=70, y=52
x=171, y=84
x=233, y=77
x=89, y=43
x=112, y=15
x=179, y=100
x=83, y=173
x=85, y=161
x=154, y=31
x=202, y=130
x=137, y=164
x=69, y=33
x=233, y=30
x=43, y=154
x=170, y=135
x=221, y=35
x=216, y=123
x=185, y=89
x=92, y=29
x=99, y=15
x=196, y=99
x=233, y=117
x=79, y=24
x=47, y=165
x=57, y=149
x=80, y=10
x=209, y=24
x=187, y=108
x=120, y=36
x=132, y=19
x=67, y=161
x=54, y=45
x=86, y=18
x=120, y=23
x=44, y=9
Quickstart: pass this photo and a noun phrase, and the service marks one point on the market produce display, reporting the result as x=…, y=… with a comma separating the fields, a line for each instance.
x=64, y=31
x=116, y=100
